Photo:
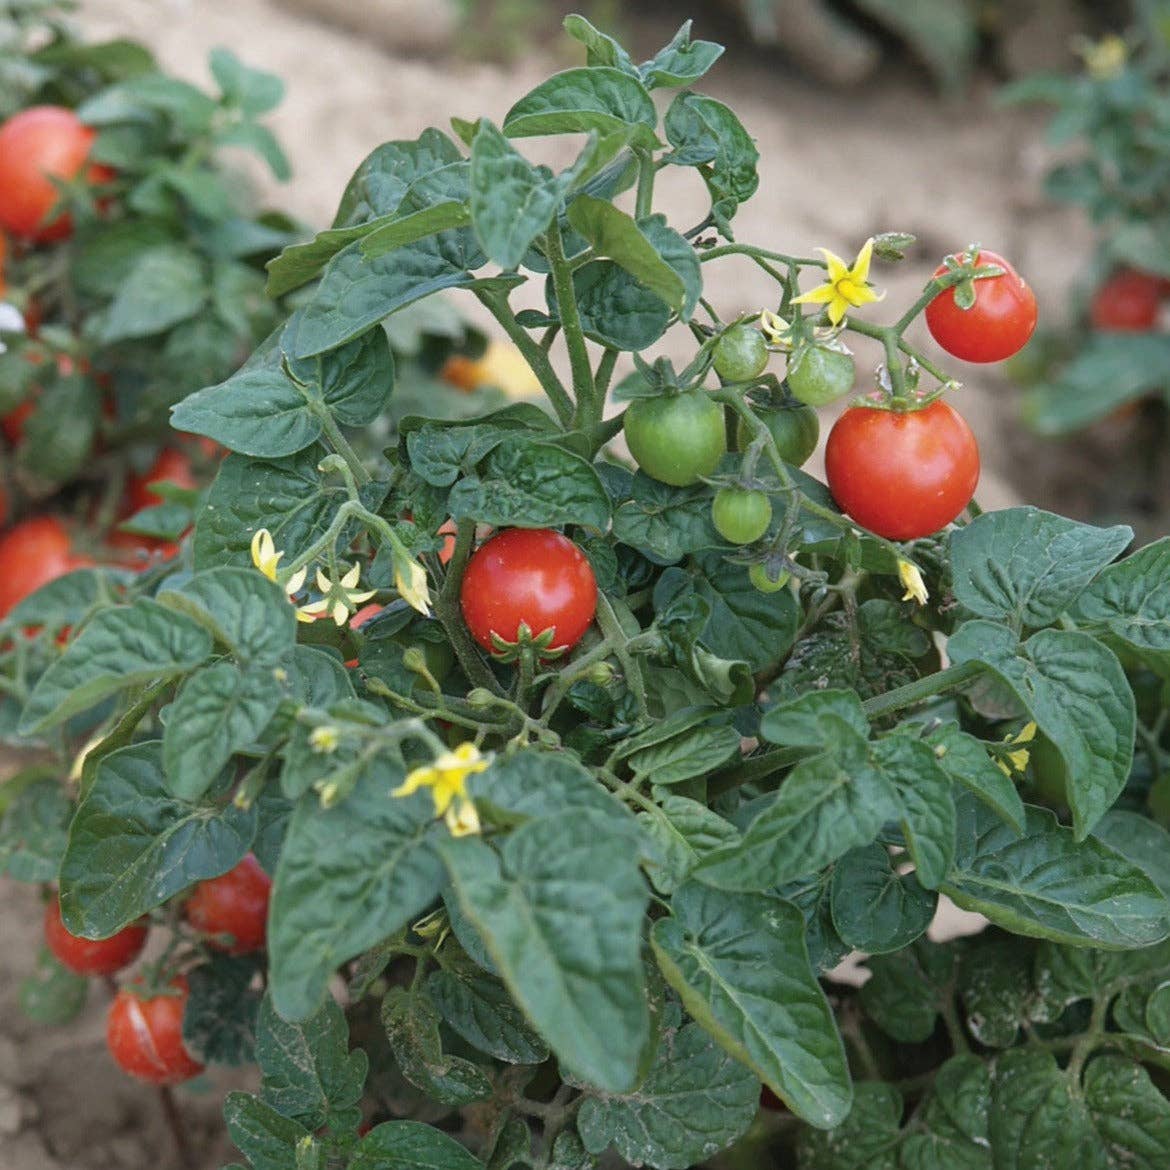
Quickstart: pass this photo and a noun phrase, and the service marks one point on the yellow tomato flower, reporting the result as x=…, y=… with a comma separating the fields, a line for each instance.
x=1106, y=58
x=778, y=332
x=340, y=597
x=410, y=579
x=1017, y=761
x=911, y=578
x=845, y=287
x=265, y=557
x=324, y=740
x=446, y=777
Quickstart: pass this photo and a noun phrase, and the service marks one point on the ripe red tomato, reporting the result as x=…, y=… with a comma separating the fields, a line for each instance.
x=12, y=424
x=38, y=145
x=144, y=1034
x=33, y=553
x=171, y=466
x=1127, y=302
x=234, y=904
x=85, y=956
x=998, y=325
x=902, y=475
x=530, y=575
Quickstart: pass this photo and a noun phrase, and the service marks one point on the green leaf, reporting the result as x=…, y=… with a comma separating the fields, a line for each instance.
x=532, y=485
x=1130, y=1114
x=479, y=1009
x=59, y=435
x=907, y=989
x=1024, y=567
x=122, y=647
x=954, y=1121
x=286, y=496
x=34, y=827
x=1139, y=840
x=1075, y=690
x=410, y=1145
x=397, y=231
x=678, y=836
x=583, y=989
x=875, y=908
x=680, y=255
x=1109, y=370
x=741, y=967
x=601, y=49
x=682, y=62
x=298, y=264
x=995, y=984
x=866, y=1140
x=615, y=236
x=965, y=760
x=665, y=523
x=348, y=877
x=268, y=1140
x=356, y=292
x=252, y=90
x=615, y=309
x=829, y=804
x=241, y=609
x=688, y=743
x=579, y=100
x=133, y=845
x=67, y=599
x=1046, y=885
x=52, y=995
x=308, y=1070
x=1131, y=601
x=222, y=1010
x=167, y=285
x=512, y=202
x=219, y=710
x=695, y=1101
x=814, y=720
x=708, y=135
x=412, y=1021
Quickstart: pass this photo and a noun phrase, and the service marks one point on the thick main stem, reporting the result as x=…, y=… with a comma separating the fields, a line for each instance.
x=570, y=315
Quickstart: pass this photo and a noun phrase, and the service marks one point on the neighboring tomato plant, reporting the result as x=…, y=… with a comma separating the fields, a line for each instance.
x=995, y=321
x=144, y=1033
x=530, y=578
x=579, y=747
x=902, y=474
x=1128, y=302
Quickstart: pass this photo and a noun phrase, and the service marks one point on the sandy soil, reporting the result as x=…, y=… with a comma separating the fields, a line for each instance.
x=837, y=167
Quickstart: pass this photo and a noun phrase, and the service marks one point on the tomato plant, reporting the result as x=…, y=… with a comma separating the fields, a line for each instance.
x=1127, y=301
x=528, y=577
x=562, y=789
x=992, y=322
x=144, y=1033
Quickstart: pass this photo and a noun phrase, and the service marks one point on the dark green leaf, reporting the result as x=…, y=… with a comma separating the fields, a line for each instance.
x=410, y=1145
x=268, y=1140
x=682, y=62
x=34, y=828
x=965, y=760
x=479, y=1009
x=219, y=1018
x=876, y=909
x=167, y=285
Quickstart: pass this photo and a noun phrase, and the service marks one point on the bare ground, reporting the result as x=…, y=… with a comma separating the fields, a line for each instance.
x=837, y=166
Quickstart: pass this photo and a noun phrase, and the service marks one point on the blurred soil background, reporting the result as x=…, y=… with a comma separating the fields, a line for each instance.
x=854, y=138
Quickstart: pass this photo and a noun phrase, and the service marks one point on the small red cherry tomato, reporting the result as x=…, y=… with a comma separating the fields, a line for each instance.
x=33, y=553
x=903, y=474
x=85, y=956
x=144, y=1034
x=1128, y=302
x=997, y=325
x=532, y=576
x=232, y=910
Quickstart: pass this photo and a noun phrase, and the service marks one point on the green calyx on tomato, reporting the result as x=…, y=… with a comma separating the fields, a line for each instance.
x=741, y=354
x=818, y=375
x=794, y=427
x=678, y=438
x=741, y=515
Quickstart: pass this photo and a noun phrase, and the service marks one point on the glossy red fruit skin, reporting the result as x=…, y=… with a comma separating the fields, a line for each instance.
x=145, y=1035
x=33, y=553
x=85, y=956
x=1127, y=302
x=902, y=475
x=998, y=325
x=531, y=575
x=235, y=904
x=37, y=145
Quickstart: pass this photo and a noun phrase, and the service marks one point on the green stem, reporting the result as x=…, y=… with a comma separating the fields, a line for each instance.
x=752, y=769
x=604, y=374
x=759, y=253
x=533, y=354
x=571, y=673
x=570, y=315
x=922, y=689
x=612, y=630
x=447, y=610
x=645, y=198
x=341, y=445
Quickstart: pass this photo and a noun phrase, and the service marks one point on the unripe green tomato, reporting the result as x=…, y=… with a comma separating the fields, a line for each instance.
x=821, y=376
x=677, y=439
x=1159, y=800
x=1049, y=774
x=758, y=576
x=741, y=354
x=740, y=515
x=794, y=429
